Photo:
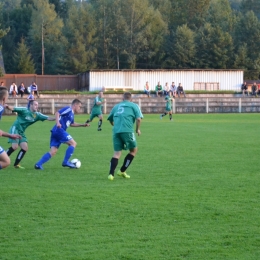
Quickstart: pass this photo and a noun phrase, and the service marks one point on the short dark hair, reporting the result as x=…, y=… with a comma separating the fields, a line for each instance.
x=127, y=95
x=76, y=101
x=3, y=92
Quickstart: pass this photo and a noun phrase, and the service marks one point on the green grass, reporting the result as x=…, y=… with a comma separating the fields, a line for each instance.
x=193, y=194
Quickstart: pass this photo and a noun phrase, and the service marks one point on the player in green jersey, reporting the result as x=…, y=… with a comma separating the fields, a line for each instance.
x=122, y=117
x=97, y=110
x=4, y=159
x=168, y=108
x=25, y=117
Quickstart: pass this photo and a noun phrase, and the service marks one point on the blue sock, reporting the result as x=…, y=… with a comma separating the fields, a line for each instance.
x=45, y=158
x=68, y=154
x=0, y=167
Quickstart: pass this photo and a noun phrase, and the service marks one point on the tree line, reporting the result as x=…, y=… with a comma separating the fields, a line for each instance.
x=70, y=37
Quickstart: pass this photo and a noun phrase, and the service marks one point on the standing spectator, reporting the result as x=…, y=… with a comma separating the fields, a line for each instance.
x=166, y=90
x=34, y=88
x=147, y=89
x=122, y=117
x=21, y=89
x=254, y=89
x=180, y=90
x=173, y=90
x=13, y=90
x=244, y=89
x=159, y=89
x=30, y=98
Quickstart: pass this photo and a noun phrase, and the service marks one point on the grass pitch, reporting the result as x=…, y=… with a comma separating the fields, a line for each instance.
x=193, y=193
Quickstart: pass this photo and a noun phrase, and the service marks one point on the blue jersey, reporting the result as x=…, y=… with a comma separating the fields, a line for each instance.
x=2, y=109
x=66, y=118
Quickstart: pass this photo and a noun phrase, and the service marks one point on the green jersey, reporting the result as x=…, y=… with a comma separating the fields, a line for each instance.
x=168, y=106
x=26, y=118
x=123, y=115
x=97, y=108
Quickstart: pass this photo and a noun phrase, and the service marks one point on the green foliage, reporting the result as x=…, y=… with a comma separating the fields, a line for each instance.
x=70, y=37
x=197, y=199
x=23, y=59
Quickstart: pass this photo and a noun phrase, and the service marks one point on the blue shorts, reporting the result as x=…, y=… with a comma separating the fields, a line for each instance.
x=58, y=137
x=1, y=150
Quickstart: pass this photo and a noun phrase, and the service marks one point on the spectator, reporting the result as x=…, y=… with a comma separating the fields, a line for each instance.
x=244, y=89
x=147, y=89
x=166, y=90
x=34, y=88
x=180, y=90
x=21, y=89
x=159, y=89
x=13, y=90
x=30, y=98
x=173, y=90
x=254, y=89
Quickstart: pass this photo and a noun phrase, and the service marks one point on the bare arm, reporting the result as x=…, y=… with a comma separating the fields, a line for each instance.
x=138, y=124
x=79, y=125
x=51, y=118
x=12, y=136
x=57, y=119
x=9, y=107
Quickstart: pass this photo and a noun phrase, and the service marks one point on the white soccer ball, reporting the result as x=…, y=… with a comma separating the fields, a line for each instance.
x=76, y=162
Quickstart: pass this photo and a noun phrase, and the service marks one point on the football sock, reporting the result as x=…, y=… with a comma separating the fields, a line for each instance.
x=9, y=151
x=87, y=121
x=19, y=157
x=128, y=159
x=99, y=123
x=170, y=117
x=164, y=114
x=69, y=152
x=45, y=158
x=113, y=164
x=1, y=167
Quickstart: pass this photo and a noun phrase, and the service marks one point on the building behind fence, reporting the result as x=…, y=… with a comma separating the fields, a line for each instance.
x=95, y=80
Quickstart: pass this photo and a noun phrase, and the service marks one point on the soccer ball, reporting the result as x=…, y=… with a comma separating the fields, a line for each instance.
x=76, y=162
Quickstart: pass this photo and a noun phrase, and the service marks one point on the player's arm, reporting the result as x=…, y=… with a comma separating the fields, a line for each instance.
x=9, y=107
x=57, y=119
x=79, y=125
x=138, y=124
x=51, y=118
x=12, y=136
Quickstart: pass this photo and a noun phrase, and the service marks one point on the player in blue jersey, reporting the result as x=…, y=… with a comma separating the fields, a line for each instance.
x=4, y=158
x=64, y=119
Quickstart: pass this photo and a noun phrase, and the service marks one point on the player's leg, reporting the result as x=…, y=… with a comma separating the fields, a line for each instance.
x=162, y=115
x=4, y=159
x=91, y=118
x=118, y=147
x=131, y=144
x=46, y=157
x=100, y=117
x=170, y=115
x=69, y=152
x=20, y=155
x=12, y=148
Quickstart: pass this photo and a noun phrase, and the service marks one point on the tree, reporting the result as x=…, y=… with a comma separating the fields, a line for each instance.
x=80, y=31
x=46, y=36
x=214, y=48
x=184, y=47
x=23, y=59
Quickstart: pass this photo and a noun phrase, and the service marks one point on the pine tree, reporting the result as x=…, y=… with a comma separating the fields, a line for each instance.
x=23, y=59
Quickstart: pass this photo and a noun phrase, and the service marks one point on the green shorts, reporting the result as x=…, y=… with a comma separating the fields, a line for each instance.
x=124, y=141
x=93, y=115
x=14, y=130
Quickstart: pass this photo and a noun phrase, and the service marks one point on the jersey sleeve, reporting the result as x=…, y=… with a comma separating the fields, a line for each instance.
x=19, y=109
x=42, y=117
x=138, y=113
